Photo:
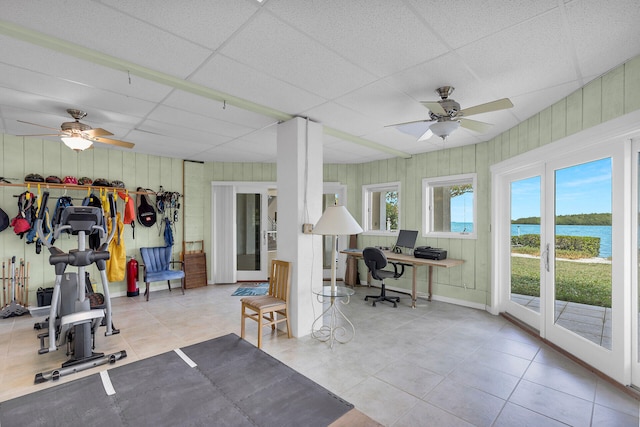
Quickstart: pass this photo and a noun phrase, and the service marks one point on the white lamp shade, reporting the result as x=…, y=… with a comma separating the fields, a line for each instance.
x=445, y=128
x=336, y=221
x=76, y=143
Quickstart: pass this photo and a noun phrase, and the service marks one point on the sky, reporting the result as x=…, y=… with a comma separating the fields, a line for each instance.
x=583, y=188
x=462, y=208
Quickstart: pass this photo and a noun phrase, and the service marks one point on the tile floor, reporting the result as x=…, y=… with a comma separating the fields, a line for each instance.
x=589, y=321
x=438, y=364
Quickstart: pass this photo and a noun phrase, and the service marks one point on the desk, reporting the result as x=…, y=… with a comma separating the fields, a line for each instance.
x=333, y=331
x=414, y=262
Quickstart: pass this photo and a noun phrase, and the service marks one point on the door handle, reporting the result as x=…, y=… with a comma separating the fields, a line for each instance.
x=546, y=258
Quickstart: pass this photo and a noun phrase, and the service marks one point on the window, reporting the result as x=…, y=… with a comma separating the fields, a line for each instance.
x=381, y=207
x=449, y=206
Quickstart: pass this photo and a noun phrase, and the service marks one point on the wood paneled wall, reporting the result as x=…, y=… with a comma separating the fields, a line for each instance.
x=605, y=98
x=21, y=156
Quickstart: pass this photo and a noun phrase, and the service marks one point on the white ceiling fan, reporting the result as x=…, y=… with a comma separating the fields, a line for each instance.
x=445, y=116
x=80, y=136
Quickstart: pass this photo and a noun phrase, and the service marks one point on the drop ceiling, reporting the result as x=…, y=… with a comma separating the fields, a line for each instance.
x=208, y=80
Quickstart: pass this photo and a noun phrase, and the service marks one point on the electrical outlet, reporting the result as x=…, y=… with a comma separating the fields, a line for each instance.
x=307, y=228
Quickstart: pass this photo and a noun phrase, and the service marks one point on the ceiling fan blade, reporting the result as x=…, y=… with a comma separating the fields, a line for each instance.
x=42, y=126
x=428, y=134
x=96, y=132
x=110, y=141
x=45, y=134
x=474, y=125
x=500, y=104
x=409, y=123
x=416, y=129
x=434, y=107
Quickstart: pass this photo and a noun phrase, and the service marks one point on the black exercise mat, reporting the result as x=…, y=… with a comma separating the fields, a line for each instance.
x=268, y=391
x=80, y=402
x=234, y=384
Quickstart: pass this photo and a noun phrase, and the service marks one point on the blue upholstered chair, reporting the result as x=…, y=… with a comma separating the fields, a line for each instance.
x=157, y=267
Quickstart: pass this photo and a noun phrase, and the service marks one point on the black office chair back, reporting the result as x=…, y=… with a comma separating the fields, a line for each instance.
x=375, y=260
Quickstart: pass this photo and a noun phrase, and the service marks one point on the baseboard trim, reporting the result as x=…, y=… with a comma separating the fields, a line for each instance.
x=424, y=296
x=629, y=390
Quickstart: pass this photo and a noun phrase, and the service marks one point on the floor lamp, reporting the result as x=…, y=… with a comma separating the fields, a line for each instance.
x=336, y=221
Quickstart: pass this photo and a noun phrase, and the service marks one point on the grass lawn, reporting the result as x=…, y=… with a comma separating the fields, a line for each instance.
x=585, y=283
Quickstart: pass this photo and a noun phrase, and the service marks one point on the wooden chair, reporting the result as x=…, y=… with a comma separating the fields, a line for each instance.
x=276, y=301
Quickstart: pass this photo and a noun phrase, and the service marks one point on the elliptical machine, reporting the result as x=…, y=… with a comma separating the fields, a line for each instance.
x=73, y=320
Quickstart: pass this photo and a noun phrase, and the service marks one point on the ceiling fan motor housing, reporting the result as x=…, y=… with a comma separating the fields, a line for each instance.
x=74, y=127
x=451, y=107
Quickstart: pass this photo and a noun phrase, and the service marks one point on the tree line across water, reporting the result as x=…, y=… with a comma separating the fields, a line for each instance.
x=575, y=219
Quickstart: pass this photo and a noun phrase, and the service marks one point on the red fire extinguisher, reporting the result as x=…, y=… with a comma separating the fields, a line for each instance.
x=132, y=278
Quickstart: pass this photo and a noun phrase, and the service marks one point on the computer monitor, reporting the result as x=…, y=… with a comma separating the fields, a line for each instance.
x=407, y=239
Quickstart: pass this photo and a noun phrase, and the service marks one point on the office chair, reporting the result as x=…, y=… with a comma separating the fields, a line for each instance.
x=375, y=260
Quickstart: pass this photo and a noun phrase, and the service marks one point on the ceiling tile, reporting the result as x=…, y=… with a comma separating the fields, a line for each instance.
x=27, y=57
x=341, y=117
x=109, y=31
x=461, y=22
x=216, y=20
x=269, y=45
x=593, y=26
x=188, y=103
x=532, y=52
x=394, y=38
x=230, y=76
x=195, y=121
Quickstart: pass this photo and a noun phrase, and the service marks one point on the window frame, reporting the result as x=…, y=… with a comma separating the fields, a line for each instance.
x=428, y=184
x=367, y=191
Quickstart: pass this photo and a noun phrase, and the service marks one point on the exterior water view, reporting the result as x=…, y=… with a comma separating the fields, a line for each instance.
x=603, y=232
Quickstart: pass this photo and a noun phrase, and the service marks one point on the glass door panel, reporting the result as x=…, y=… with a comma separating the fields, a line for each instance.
x=254, y=233
x=635, y=290
x=525, y=243
x=582, y=273
x=248, y=241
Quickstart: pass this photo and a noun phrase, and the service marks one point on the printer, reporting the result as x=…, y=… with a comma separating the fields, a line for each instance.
x=427, y=252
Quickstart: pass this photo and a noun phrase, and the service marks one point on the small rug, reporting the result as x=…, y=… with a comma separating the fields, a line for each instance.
x=251, y=289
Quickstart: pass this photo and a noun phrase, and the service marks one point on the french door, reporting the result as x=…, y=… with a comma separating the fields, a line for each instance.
x=560, y=252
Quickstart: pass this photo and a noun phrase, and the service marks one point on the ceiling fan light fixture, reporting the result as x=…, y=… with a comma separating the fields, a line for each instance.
x=444, y=128
x=76, y=143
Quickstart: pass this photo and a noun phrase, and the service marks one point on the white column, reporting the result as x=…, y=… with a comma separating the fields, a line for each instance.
x=299, y=202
